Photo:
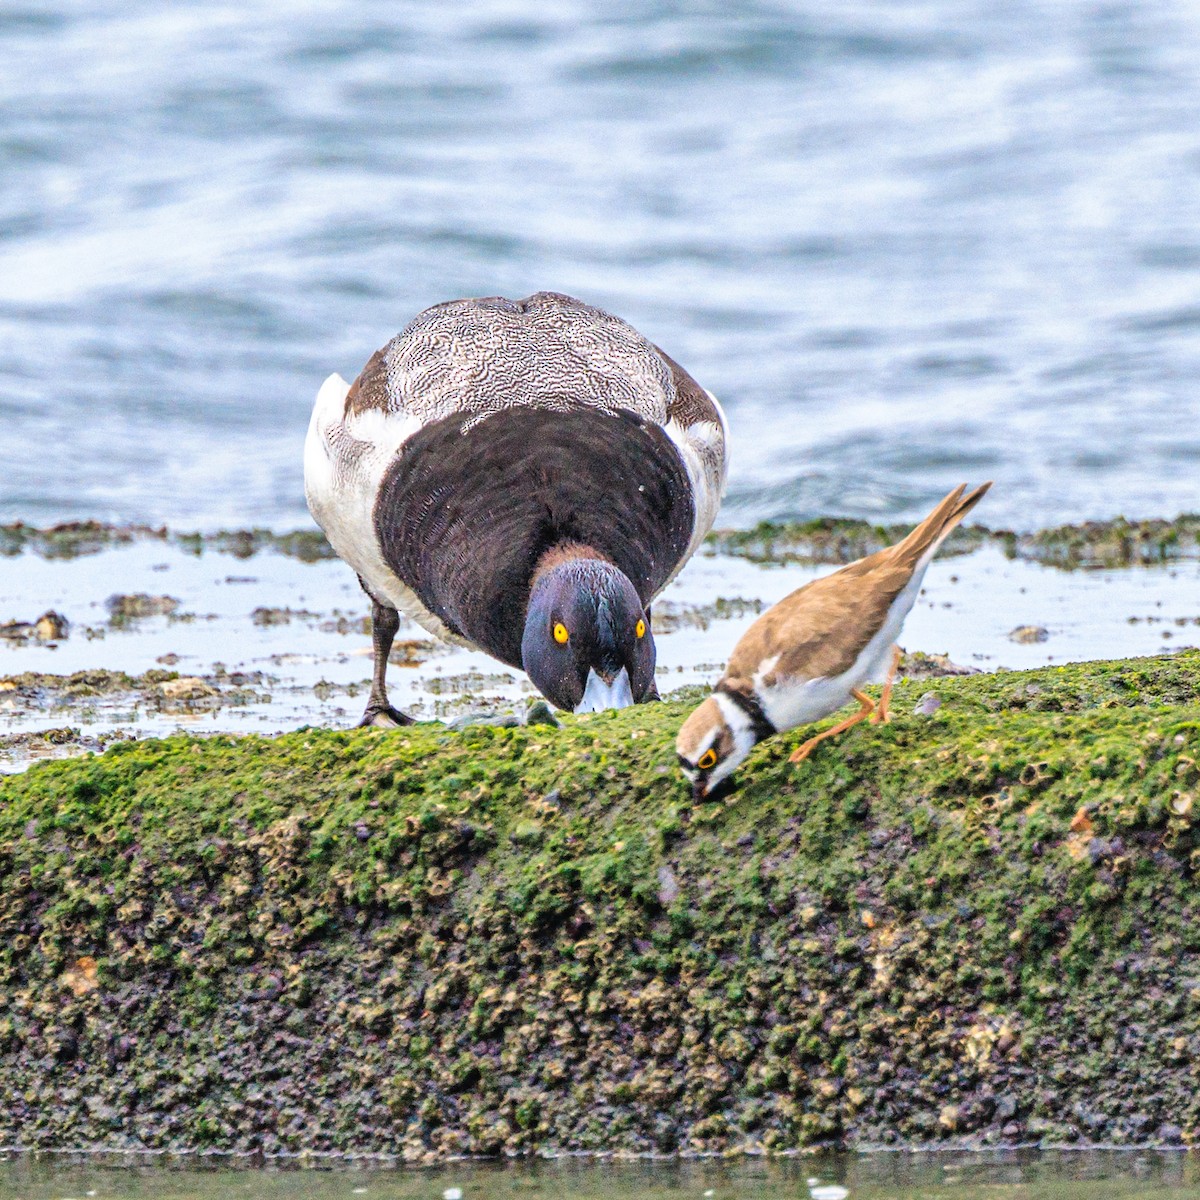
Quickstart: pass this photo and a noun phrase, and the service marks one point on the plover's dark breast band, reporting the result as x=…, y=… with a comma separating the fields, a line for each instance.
x=760, y=724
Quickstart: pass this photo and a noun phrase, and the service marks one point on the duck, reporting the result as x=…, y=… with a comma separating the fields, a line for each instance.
x=522, y=477
x=810, y=655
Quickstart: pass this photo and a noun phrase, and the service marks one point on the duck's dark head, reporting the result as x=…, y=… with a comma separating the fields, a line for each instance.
x=587, y=644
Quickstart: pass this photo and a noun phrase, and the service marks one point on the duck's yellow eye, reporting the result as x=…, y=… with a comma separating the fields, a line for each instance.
x=707, y=759
x=561, y=635
x=641, y=628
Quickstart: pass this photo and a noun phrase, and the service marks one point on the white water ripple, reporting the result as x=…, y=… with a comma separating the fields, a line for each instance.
x=907, y=245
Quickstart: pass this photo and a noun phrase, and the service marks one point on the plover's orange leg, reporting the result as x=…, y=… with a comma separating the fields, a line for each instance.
x=881, y=709
x=868, y=706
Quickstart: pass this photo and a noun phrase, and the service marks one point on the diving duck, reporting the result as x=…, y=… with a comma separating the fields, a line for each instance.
x=522, y=477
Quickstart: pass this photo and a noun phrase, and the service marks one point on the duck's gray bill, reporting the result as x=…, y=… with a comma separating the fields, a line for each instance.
x=598, y=695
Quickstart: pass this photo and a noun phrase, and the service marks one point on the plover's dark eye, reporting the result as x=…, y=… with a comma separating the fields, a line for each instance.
x=707, y=759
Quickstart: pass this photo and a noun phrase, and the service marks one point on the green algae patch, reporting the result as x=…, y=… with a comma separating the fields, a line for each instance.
x=77, y=539
x=978, y=924
x=1091, y=545
x=828, y=540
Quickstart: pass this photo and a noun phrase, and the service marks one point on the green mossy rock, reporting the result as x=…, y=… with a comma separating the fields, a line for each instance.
x=981, y=924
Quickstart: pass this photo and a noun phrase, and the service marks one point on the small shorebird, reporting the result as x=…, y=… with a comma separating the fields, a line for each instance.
x=811, y=653
x=523, y=477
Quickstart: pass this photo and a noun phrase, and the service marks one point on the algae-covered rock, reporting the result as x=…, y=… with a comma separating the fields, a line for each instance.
x=835, y=540
x=979, y=924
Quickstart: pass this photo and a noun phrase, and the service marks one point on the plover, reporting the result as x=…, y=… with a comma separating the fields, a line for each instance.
x=811, y=653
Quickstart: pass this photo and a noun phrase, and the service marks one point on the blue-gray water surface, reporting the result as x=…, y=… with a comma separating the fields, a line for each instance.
x=1088, y=1175
x=907, y=244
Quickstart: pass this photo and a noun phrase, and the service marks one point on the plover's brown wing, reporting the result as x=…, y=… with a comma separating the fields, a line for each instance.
x=925, y=539
x=820, y=629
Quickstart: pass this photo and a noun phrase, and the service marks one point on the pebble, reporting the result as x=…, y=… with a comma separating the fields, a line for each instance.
x=189, y=687
x=540, y=713
x=497, y=720
x=139, y=604
x=1028, y=635
x=51, y=626
x=927, y=705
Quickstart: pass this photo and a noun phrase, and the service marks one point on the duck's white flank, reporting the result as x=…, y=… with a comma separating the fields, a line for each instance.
x=702, y=447
x=344, y=464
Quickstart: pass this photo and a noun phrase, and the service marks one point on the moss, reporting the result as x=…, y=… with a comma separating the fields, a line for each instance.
x=78, y=538
x=978, y=925
x=833, y=540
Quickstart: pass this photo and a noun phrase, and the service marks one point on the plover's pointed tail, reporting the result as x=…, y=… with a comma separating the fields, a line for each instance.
x=922, y=544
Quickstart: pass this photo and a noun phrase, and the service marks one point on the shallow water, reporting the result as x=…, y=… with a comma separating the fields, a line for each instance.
x=283, y=643
x=907, y=244
x=1127, y=1175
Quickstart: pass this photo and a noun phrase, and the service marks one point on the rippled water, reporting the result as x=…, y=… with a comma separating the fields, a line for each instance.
x=908, y=244
x=1010, y=1176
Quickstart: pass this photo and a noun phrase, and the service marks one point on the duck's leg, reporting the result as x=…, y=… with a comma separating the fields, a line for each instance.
x=881, y=713
x=384, y=623
x=868, y=706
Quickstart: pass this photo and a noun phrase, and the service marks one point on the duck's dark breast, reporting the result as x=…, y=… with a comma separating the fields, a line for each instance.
x=464, y=514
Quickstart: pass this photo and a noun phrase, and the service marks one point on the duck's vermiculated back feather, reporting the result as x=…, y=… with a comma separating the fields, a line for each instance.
x=486, y=355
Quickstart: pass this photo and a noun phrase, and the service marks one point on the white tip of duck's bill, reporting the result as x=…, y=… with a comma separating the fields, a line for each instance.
x=598, y=695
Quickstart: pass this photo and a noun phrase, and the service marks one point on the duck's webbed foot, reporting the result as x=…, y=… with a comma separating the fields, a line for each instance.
x=385, y=620
x=381, y=715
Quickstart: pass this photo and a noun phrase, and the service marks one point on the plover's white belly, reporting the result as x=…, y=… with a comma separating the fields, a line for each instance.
x=791, y=702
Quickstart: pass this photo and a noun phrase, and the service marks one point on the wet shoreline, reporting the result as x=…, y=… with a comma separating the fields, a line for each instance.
x=884, y=1174
x=111, y=632
x=1117, y=542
